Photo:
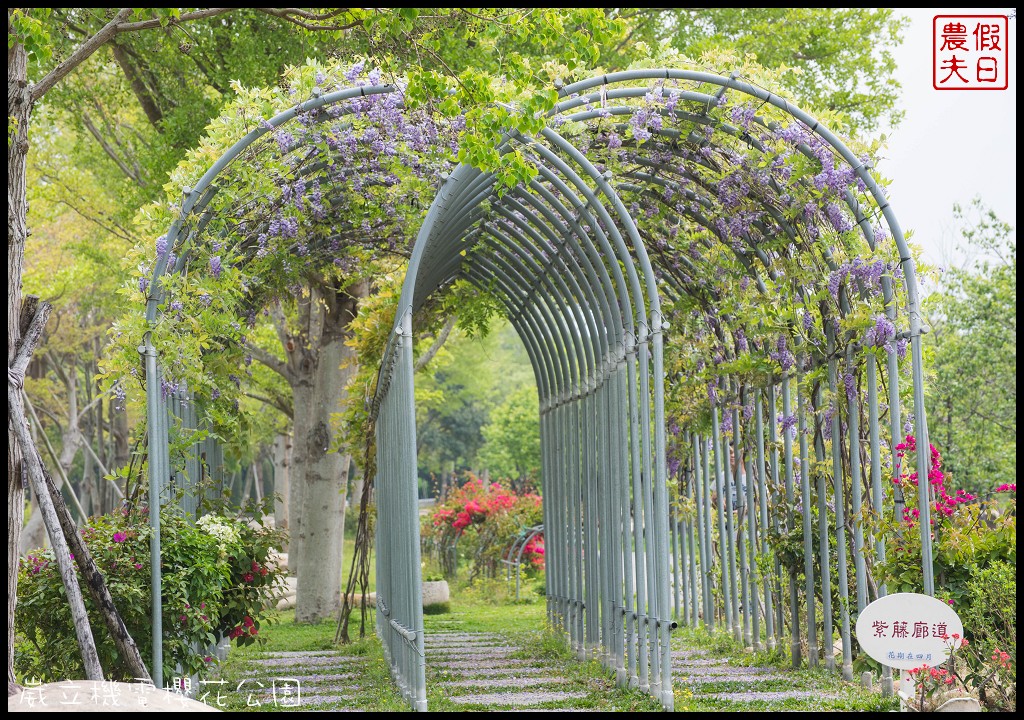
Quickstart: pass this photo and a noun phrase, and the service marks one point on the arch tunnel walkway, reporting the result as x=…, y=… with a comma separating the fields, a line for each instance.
x=650, y=268
x=502, y=671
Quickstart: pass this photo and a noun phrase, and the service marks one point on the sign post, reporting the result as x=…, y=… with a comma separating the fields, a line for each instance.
x=907, y=631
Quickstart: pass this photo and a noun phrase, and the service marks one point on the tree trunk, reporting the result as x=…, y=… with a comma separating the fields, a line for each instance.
x=302, y=400
x=325, y=473
x=19, y=108
x=33, y=535
x=119, y=431
x=34, y=470
x=33, y=466
x=323, y=502
x=121, y=456
x=282, y=461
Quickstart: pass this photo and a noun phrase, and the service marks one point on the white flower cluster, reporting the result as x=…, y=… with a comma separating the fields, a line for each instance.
x=221, y=528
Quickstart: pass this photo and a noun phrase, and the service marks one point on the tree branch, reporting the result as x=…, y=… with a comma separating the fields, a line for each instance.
x=277, y=402
x=91, y=127
x=27, y=345
x=438, y=343
x=292, y=15
x=142, y=93
x=80, y=55
x=268, y=360
x=107, y=224
x=96, y=399
x=33, y=466
x=124, y=27
x=96, y=585
x=52, y=453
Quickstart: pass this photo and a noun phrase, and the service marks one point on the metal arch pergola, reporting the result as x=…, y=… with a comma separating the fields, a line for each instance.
x=564, y=256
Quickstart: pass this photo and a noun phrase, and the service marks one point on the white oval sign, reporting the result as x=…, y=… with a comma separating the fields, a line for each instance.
x=908, y=630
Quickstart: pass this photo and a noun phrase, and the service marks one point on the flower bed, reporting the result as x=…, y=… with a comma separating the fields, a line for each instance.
x=479, y=521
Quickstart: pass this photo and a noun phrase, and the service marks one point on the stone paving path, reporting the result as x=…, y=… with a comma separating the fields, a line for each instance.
x=326, y=680
x=719, y=679
x=490, y=672
x=474, y=670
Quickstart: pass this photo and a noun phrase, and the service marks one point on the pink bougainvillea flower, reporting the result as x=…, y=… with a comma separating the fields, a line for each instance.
x=462, y=521
x=119, y=537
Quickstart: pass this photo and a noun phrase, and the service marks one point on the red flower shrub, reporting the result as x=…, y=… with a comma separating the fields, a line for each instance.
x=483, y=520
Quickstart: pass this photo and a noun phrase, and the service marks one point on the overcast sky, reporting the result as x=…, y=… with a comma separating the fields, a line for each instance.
x=951, y=145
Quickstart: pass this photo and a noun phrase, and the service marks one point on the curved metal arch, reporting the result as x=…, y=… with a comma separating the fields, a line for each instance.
x=578, y=397
x=906, y=261
x=550, y=334
x=522, y=319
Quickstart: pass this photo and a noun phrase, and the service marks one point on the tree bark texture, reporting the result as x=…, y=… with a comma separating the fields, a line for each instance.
x=282, y=464
x=19, y=107
x=302, y=400
x=34, y=470
x=324, y=475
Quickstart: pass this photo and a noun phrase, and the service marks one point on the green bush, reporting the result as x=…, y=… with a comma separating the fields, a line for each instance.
x=217, y=581
x=974, y=551
x=990, y=620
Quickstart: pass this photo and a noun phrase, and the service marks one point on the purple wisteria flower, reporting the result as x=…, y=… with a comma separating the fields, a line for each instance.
x=835, y=280
x=215, y=267
x=167, y=388
x=826, y=423
x=782, y=354
x=851, y=386
x=119, y=398
x=741, y=340
x=673, y=465
x=788, y=423
x=901, y=348
x=882, y=332
x=725, y=425
x=808, y=321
